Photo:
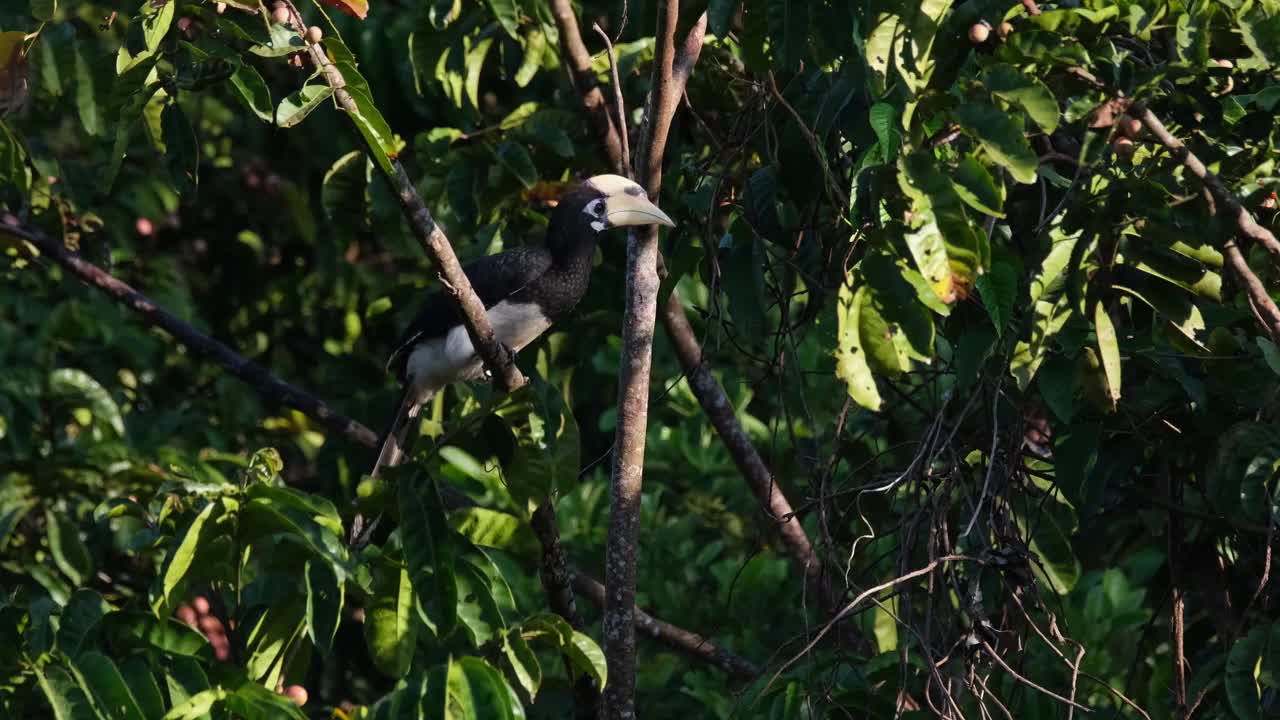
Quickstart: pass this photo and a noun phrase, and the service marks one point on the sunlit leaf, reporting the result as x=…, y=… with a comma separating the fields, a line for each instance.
x=851, y=357
x=1001, y=137
x=69, y=551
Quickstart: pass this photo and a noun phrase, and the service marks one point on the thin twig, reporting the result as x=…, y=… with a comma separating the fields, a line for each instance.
x=687, y=642
x=847, y=609
x=578, y=62
x=624, y=163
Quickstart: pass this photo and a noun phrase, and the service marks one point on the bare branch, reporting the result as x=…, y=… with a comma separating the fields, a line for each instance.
x=557, y=582
x=1229, y=204
x=687, y=642
x=497, y=361
x=624, y=163
x=638, y=321
x=268, y=385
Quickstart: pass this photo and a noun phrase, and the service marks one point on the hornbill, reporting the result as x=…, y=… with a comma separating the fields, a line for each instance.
x=524, y=290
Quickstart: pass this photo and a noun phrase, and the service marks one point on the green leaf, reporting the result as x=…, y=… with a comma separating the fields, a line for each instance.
x=1009, y=84
x=977, y=188
x=91, y=79
x=69, y=552
x=296, y=106
x=949, y=251
x=516, y=160
x=66, y=700
x=98, y=675
x=895, y=328
x=156, y=20
x=884, y=121
x=1260, y=29
x=535, y=46
x=1050, y=531
x=181, y=150
x=429, y=556
x=145, y=632
x=585, y=656
x=491, y=528
x=507, y=12
x=141, y=682
x=79, y=620
x=851, y=358
x=196, y=706
x=1251, y=659
x=547, y=455
x=253, y=92
x=80, y=385
x=476, y=690
x=478, y=611
x=522, y=662
x=325, y=596
x=789, y=31
x=282, y=40
x=118, y=507
x=179, y=561
x=474, y=65
x=383, y=146
x=1002, y=138
x=1270, y=353
x=1108, y=350
x=998, y=289
x=1193, y=37
x=389, y=628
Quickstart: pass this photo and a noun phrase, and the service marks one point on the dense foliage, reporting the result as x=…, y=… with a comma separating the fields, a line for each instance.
x=974, y=317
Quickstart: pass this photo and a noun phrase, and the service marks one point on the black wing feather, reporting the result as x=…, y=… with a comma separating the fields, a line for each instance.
x=494, y=278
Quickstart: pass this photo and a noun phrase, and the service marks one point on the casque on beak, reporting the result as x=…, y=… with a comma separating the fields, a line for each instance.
x=625, y=209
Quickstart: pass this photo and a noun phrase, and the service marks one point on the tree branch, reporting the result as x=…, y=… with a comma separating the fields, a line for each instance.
x=274, y=389
x=497, y=360
x=583, y=79
x=1232, y=207
x=638, y=321
x=557, y=583
x=687, y=642
x=268, y=385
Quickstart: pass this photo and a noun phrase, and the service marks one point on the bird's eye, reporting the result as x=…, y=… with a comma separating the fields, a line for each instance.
x=596, y=208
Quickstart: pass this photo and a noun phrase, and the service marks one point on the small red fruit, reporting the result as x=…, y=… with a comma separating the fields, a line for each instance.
x=297, y=693
x=314, y=34
x=1124, y=147
x=979, y=32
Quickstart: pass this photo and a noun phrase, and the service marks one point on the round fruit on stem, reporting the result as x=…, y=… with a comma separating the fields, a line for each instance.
x=1123, y=147
x=979, y=32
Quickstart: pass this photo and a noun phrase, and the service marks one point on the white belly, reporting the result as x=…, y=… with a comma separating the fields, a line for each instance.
x=441, y=361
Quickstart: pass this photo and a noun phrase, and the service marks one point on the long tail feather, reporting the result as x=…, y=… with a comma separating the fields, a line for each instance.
x=394, y=442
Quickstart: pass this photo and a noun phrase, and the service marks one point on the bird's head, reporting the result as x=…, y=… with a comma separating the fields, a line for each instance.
x=610, y=201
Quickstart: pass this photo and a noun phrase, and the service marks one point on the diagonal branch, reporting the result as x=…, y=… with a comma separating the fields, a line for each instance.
x=496, y=359
x=268, y=385
x=690, y=643
x=1231, y=206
